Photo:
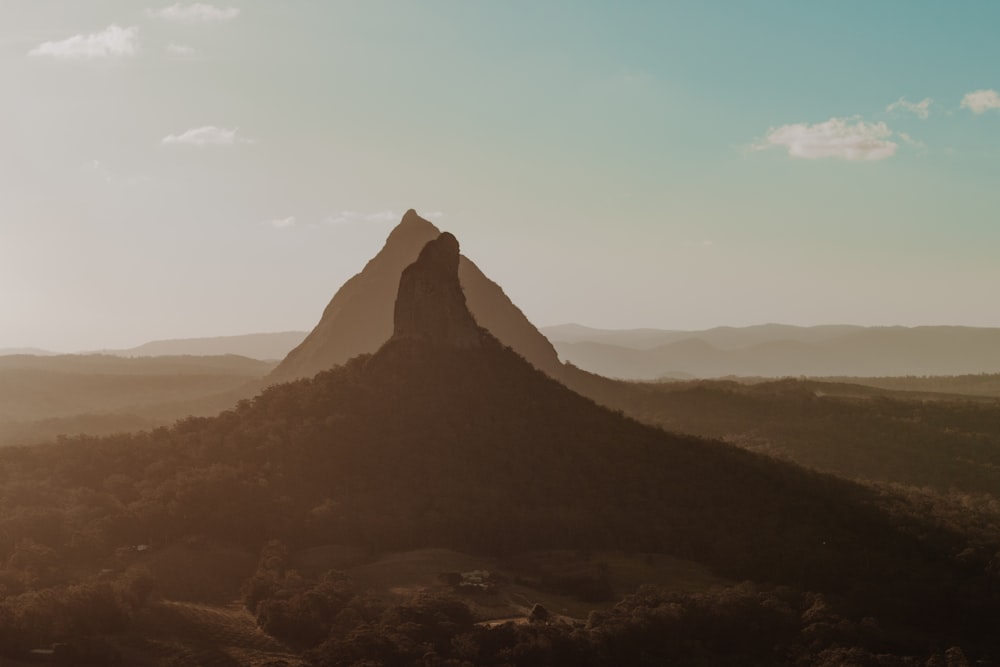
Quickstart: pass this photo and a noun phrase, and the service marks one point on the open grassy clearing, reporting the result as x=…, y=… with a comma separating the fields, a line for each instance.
x=517, y=583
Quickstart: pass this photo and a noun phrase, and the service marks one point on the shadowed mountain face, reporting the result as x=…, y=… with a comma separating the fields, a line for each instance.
x=359, y=318
x=430, y=305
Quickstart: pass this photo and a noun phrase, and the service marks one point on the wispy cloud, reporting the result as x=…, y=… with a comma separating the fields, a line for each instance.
x=981, y=101
x=841, y=138
x=180, y=49
x=920, y=109
x=207, y=136
x=101, y=171
x=348, y=217
x=382, y=216
x=113, y=41
x=377, y=217
x=916, y=143
x=283, y=223
x=197, y=12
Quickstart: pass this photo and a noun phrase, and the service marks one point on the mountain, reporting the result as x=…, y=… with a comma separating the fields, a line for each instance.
x=445, y=438
x=778, y=351
x=263, y=346
x=430, y=304
x=359, y=318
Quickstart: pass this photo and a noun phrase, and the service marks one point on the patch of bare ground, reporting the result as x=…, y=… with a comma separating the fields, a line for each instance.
x=515, y=585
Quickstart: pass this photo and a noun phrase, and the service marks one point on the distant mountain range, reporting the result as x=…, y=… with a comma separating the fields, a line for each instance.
x=264, y=346
x=777, y=350
x=358, y=319
x=32, y=351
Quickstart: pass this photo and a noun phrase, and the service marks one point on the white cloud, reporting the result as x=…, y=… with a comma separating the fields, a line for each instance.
x=911, y=141
x=111, y=42
x=180, y=49
x=920, y=109
x=283, y=223
x=378, y=217
x=981, y=101
x=348, y=217
x=842, y=138
x=196, y=12
x=383, y=216
x=207, y=136
x=342, y=218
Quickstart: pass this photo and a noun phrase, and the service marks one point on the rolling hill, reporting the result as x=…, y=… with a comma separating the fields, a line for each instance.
x=263, y=346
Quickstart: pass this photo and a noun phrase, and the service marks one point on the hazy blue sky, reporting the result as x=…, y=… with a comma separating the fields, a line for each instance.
x=175, y=170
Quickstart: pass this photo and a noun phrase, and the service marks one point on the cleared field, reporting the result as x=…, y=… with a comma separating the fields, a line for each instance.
x=517, y=584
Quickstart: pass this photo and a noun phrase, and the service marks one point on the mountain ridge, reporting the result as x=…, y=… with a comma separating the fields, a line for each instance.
x=782, y=350
x=267, y=346
x=359, y=317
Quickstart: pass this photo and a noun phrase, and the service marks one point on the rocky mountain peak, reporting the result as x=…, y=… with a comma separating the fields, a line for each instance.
x=430, y=303
x=412, y=226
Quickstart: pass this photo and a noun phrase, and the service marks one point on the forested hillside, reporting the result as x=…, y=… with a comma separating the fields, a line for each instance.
x=480, y=452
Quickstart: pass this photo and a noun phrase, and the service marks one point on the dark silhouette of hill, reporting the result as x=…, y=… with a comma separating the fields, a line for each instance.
x=778, y=351
x=263, y=346
x=359, y=318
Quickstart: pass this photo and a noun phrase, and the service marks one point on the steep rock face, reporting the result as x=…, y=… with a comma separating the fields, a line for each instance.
x=359, y=318
x=495, y=312
x=430, y=304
